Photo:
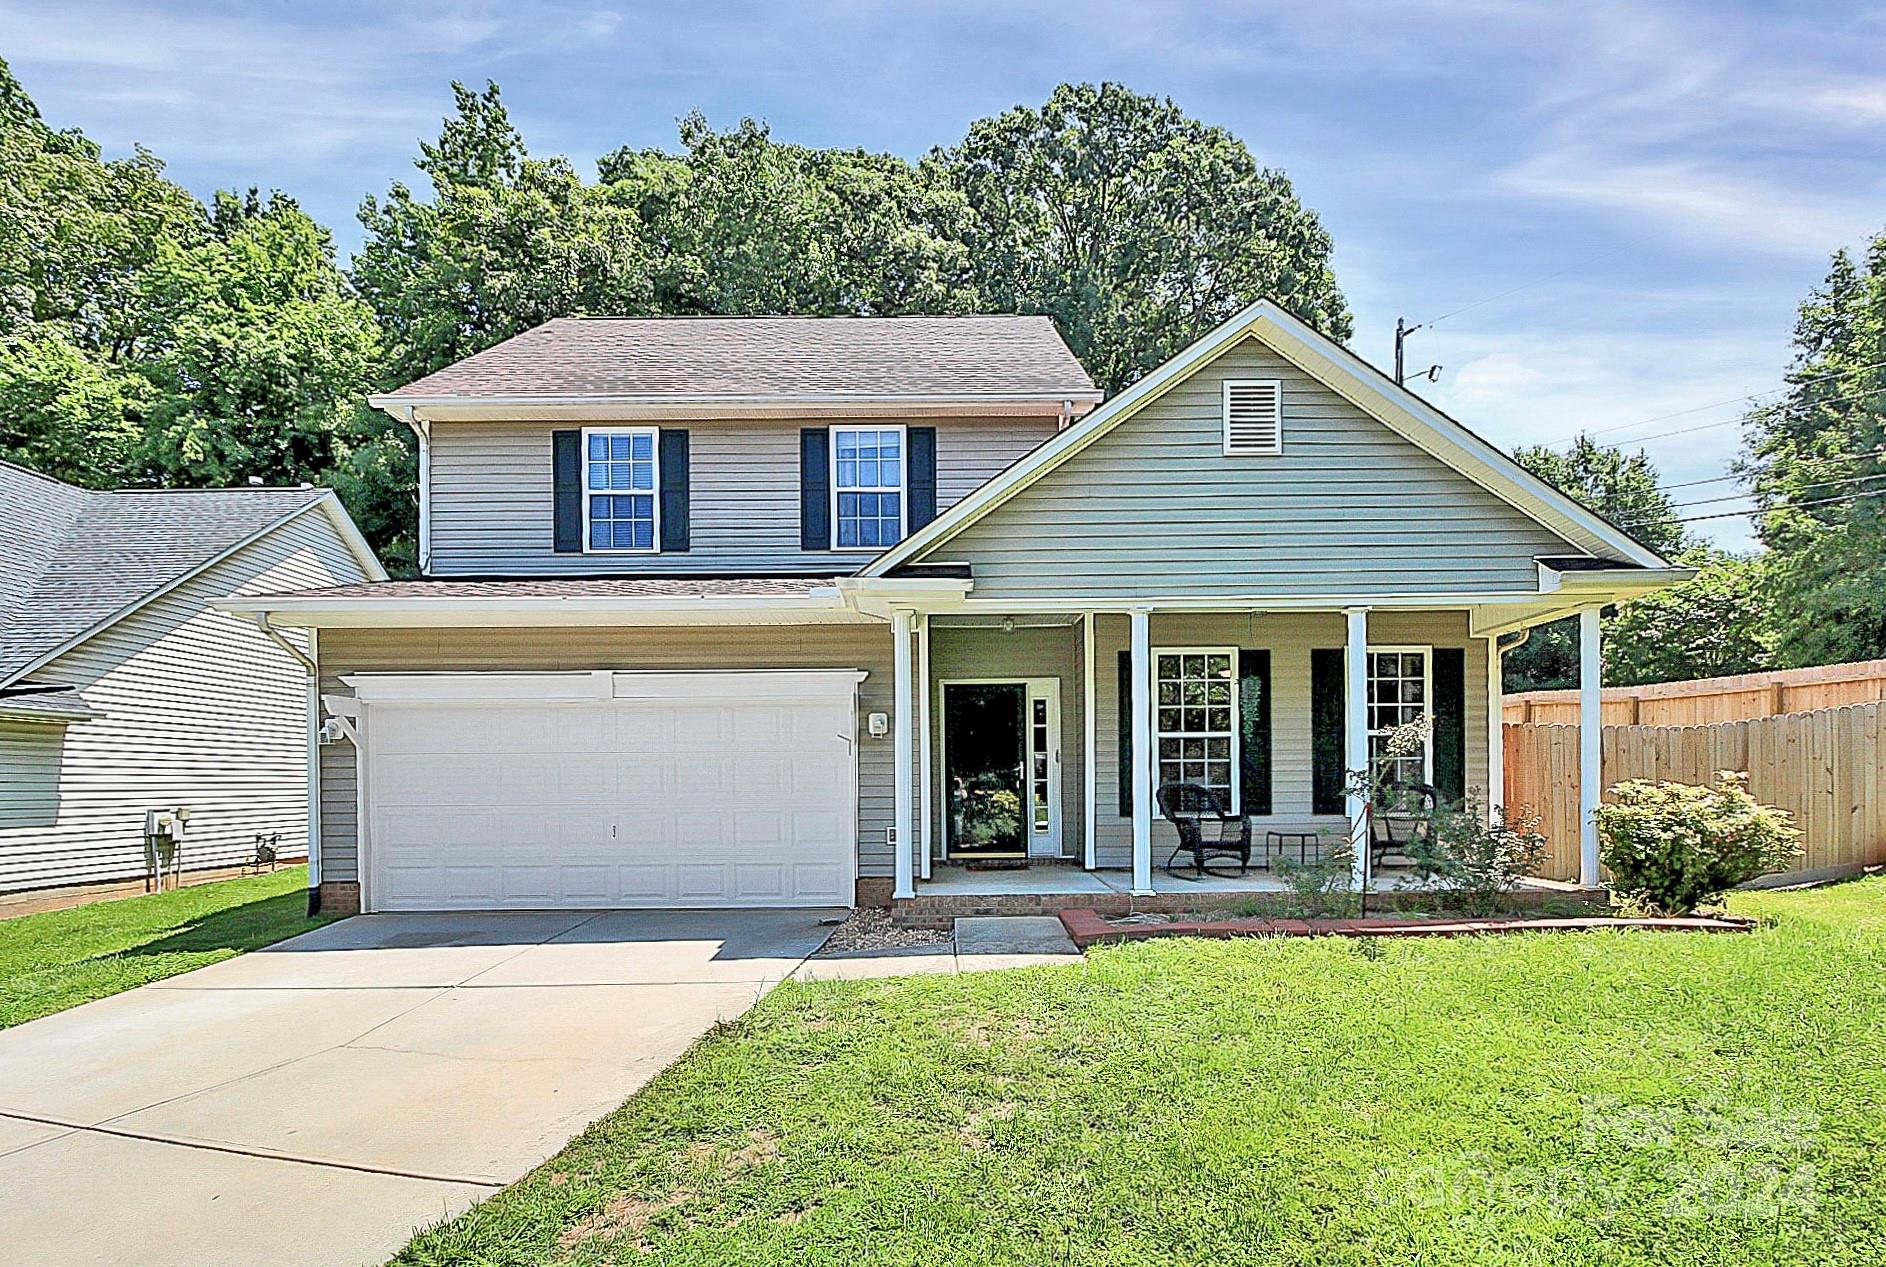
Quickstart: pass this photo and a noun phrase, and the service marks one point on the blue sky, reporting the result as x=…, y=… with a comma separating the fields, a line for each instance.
x=1614, y=207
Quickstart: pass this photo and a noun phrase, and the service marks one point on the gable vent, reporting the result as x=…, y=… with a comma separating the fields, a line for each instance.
x=1254, y=416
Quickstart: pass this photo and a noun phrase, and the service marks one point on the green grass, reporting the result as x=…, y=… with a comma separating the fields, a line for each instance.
x=1597, y=1098
x=60, y=959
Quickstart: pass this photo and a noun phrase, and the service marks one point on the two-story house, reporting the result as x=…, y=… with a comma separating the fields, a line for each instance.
x=788, y=611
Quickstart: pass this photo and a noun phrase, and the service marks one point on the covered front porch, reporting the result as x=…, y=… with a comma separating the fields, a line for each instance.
x=1270, y=707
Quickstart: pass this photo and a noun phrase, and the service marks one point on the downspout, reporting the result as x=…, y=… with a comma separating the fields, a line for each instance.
x=1067, y=415
x=309, y=661
x=423, y=430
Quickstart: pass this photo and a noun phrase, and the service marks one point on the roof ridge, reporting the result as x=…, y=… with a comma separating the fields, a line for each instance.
x=50, y=479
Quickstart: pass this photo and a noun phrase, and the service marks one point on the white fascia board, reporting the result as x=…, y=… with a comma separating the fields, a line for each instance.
x=1342, y=372
x=824, y=606
x=878, y=596
x=351, y=536
x=1631, y=581
x=671, y=405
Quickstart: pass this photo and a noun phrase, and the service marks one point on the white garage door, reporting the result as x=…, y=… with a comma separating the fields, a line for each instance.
x=599, y=790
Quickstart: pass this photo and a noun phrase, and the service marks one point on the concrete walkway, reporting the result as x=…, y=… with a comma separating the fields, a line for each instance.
x=981, y=943
x=317, y=1101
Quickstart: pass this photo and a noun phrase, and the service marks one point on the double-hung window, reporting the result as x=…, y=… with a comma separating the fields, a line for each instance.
x=620, y=508
x=1196, y=718
x=1399, y=693
x=868, y=493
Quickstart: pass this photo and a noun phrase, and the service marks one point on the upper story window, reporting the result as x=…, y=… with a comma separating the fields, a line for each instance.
x=619, y=482
x=869, y=510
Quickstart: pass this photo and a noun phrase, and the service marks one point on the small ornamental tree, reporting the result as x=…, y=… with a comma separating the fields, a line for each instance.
x=1673, y=846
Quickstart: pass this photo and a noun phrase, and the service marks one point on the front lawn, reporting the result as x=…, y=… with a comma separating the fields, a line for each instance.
x=63, y=958
x=1592, y=1098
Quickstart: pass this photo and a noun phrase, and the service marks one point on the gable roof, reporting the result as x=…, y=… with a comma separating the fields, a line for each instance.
x=79, y=560
x=764, y=358
x=1344, y=373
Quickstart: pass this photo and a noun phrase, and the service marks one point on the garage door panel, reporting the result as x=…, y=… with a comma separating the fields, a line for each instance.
x=611, y=803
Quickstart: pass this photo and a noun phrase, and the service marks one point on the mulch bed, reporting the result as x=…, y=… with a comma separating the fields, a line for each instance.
x=1088, y=927
x=869, y=928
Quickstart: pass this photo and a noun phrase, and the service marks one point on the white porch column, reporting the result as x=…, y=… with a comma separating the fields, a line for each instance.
x=1590, y=745
x=1355, y=733
x=1089, y=823
x=1496, y=728
x=901, y=730
x=927, y=781
x=1143, y=781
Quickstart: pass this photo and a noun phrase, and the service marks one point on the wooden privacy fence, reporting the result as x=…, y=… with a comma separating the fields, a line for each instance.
x=1715, y=699
x=1823, y=767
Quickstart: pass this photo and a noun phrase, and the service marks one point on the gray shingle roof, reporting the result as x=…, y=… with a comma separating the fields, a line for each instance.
x=770, y=357
x=579, y=587
x=73, y=558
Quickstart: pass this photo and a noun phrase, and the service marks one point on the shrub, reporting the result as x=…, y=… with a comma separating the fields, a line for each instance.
x=1673, y=846
x=1319, y=889
x=1477, y=857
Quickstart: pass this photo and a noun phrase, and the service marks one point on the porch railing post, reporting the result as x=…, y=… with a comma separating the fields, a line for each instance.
x=1590, y=745
x=1143, y=780
x=1355, y=733
x=901, y=729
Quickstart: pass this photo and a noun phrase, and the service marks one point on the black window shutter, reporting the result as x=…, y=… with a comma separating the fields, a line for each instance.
x=922, y=475
x=1326, y=725
x=1450, y=724
x=1126, y=734
x=674, y=490
x=1254, y=731
x=815, y=489
x=566, y=474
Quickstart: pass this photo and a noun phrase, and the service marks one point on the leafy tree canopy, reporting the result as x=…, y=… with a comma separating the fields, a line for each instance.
x=1816, y=461
x=1716, y=624
x=1136, y=227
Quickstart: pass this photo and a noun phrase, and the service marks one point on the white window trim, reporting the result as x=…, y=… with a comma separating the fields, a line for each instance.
x=1225, y=417
x=1237, y=719
x=903, y=481
x=1427, y=696
x=654, y=434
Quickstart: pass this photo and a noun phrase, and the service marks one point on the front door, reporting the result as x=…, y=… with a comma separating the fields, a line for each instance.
x=985, y=766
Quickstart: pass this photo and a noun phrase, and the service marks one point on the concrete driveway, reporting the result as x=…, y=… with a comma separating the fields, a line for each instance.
x=317, y=1101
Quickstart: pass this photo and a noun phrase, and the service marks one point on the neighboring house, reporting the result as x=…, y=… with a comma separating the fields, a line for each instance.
x=713, y=607
x=122, y=691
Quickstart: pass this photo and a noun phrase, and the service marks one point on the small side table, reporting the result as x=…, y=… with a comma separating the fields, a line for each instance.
x=1277, y=841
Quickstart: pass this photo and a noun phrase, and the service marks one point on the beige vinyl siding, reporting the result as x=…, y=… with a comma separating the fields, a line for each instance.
x=1290, y=637
x=1041, y=652
x=196, y=708
x=866, y=647
x=491, y=495
x=1155, y=508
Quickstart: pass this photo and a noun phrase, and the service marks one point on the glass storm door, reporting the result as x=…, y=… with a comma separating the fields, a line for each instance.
x=985, y=764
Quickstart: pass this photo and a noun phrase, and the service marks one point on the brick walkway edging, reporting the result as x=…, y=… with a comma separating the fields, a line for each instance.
x=1088, y=927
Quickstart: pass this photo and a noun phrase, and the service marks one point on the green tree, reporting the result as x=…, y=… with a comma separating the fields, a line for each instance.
x=67, y=412
x=259, y=352
x=505, y=243
x=1622, y=487
x=741, y=223
x=1718, y=624
x=1136, y=227
x=1816, y=461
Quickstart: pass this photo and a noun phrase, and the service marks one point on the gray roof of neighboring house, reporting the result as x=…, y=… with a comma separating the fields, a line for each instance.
x=751, y=358
x=74, y=558
x=578, y=587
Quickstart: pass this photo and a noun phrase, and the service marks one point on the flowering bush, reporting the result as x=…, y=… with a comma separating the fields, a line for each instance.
x=1673, y=846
